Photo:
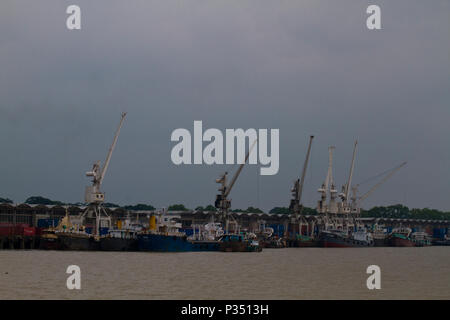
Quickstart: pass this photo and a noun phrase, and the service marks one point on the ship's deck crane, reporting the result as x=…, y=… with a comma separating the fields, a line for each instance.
x=222, y=202
x=344, y=195
x=357, y=200
x=93, y=196
x=328, y=186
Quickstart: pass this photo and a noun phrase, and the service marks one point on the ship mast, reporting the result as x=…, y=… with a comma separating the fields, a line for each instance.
x=322, y=208
x=344, y=207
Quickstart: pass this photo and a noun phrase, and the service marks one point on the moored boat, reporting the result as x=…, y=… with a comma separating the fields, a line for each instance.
x=77, y=240
x=49, y=240
x=273, y=243
x=119, y=240
x=421, y=239
x=172, y=242
x=340, y=239
x=303, y=241
x=238, y=243
x=400, y=237
x=74, y=237
x=164, y=235
x=380, y=236
x=122, y=238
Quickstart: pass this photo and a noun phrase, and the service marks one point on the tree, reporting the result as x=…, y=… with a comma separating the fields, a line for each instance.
x=283, y=210
x=6, y=200
x=280, y=210
x=177, y=207
x=207, y=208
x=140, y=207
x=253, y=210
x=42, y=200
x=309, y=211
x=110, y=205
x=399, y=211
x=210, y=208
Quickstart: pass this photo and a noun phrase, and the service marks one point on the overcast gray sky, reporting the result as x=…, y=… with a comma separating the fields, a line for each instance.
x=305, y=67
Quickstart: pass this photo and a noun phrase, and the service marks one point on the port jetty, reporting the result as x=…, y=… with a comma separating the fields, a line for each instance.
x=22, y=225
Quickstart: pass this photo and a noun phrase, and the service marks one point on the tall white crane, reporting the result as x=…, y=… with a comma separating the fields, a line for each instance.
x=93, y=193
x=93, y=196
x=222, y=202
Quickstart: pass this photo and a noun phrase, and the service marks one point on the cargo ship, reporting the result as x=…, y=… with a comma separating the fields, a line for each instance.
x=339, y=239
x=173, y=242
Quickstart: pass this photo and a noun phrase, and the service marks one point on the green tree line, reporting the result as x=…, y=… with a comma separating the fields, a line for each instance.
x=397, y=211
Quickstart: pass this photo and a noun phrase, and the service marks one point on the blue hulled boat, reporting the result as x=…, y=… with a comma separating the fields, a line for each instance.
x=163, y=235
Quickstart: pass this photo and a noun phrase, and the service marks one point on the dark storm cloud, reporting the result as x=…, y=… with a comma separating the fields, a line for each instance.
x=305, y=67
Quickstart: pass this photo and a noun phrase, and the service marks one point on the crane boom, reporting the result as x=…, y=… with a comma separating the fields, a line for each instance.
x=111, y=149
x=329, y=179
x=236, y=175
x=352, y=166
x=381, y=182
x=305, y=165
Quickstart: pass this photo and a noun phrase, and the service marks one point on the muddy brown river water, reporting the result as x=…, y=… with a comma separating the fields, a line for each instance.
x=291, y=273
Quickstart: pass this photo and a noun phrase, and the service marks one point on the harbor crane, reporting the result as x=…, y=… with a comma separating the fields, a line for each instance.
x=296, y=206
x=357, y=200
x=222, y=202
x=93, y=196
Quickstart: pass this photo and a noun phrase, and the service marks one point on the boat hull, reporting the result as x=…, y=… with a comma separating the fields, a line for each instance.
x=49, y=244
x=167, y=243
x=76, y=242
x=238, y=247
x=395, y=241
x=118, y=244
x=336, y=241
x=380, y=243
x=303, y=243
x=441, y=243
